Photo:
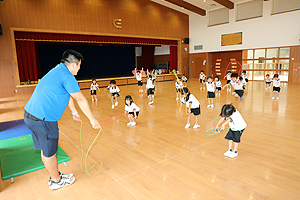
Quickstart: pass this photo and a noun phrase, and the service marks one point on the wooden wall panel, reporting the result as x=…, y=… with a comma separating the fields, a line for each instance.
x=140, y=18
x=6, y=79
x=294, y=70
x=196, y=62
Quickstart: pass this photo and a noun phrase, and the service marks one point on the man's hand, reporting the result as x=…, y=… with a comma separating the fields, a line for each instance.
x=95, y=124
x=76, y=117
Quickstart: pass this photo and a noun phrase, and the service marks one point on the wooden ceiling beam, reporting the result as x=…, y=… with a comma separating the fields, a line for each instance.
x=188, y=6
x=228, y=4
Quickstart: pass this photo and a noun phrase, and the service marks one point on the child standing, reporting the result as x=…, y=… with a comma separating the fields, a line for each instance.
x=94, y=87
x=244, y=75
x=132, y=110
x=202, y=79
x=139, y=78
x=237, y=126
x=276, y=86
x=218, y=85
x=193, y=106
x=210, y=91
x=237, y=85
x=114, y=93
x=184, y=80
x=179, y=87
x=242, y=80
x=150, y=88
x=228, y=77
x=268, y=81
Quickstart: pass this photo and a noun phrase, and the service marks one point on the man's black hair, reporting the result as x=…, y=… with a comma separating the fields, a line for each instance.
x=227, y=110
x=70, y=56
x=234, y=75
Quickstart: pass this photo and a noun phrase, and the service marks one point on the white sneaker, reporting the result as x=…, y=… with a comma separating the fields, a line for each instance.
x=187, y=125
x=227, y=153
x=277, y=98
x=212, y=105
x=266, y=88
x=116, y=103
x=177, y=98
x=151, y=102
x=273, y=97
x=63, y=175
x=141, y=90
x=208, y=106
x=113, y=106
x=133, y=123
x=269, y=87
x=128, y=124
x=232, y=155
x=63, y=182
x=196, y=126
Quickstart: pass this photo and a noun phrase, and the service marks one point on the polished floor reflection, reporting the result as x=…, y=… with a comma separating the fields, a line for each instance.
x=160, y=159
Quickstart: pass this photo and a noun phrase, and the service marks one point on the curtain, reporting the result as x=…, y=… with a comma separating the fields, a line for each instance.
x=26, y=55
x=147, y=56
x=173, y=58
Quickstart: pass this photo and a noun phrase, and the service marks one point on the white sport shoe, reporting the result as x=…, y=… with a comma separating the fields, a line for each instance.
x=187, y=125
x=232, y=155
x=266, y=88
x=62, y=183
x=151, y=102
x=227, y=153
x=273, y=97
x=177, y=98
x=133, y=123
x=141, y=90
x=212, y=105
x=128, y=124
x=64, y=175
x=116, y=103
x=277, y=98
x=196, y=126
x=113, y=106
x=208, y=106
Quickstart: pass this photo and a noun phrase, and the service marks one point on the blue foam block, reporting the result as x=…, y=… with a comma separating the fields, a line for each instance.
x=12, y=129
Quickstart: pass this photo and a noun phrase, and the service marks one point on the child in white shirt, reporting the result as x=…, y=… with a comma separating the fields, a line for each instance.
x=210, y=91
x=132, y=110
x=237, y=85
x=179, y=86
x=228, y=77
x=218, y=85
x=202, y=80
x=94, y=87
x=139, y=78
x=114, y=93
x=276, y=86
x=150, y=88
x=268, y=81
x=237, y=126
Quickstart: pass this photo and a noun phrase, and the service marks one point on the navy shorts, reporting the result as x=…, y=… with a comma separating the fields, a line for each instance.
x=140, y=83
x=137, y=114
x=234, y=135
x=276, y=89
x=93, y=92
x=45, y=135
x=150, y=91
x=196, y=111
x=211, y=95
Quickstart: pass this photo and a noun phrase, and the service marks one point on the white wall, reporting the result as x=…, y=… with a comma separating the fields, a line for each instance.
x=267, y=31
x=163, y=50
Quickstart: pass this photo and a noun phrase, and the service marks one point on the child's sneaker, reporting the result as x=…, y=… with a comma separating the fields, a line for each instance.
x=133, y=123
x=63, y=182
x=116, y=103
x=141, y=90
x=96, y=99
x=212, y=105
x=233, y=154
x=208, y=106
x=151, y=102
x=64, y=175
x=128, y=124
x=93, y=100
x=227, y=153
x=273, y=98
x=187, y=125
x=196, y=126
x=177, y=98
x=113, y=106
x=266, y=88
x=277, y=98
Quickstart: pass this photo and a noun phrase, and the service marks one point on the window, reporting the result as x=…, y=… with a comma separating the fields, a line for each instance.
x=284, y=52
x=219, y=16
x=272, y=53
x=249, y=10
x=280, y=6
x=259, y=53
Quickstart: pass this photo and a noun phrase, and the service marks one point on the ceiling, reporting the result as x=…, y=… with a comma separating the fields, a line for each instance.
x=207, y=5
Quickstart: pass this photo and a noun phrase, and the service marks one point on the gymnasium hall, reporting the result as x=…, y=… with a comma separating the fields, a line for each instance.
x=167, y=146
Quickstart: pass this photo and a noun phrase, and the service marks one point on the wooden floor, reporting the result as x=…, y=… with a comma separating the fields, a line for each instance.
x=160, y=159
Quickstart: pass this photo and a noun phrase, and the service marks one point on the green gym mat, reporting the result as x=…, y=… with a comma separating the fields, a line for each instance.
x=17, y=157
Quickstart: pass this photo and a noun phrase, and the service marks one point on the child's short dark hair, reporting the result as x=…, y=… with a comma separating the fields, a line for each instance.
x=244, y=71
x=183, y=74
x=234, y=75
x=93, y=79
x=128, y=97
x=217, y=77
x=209, y=77
x=276, y=76
x=228, y=71
x=138, y=71
x=227, y=110
x=113, y=82
x=241, y=78
x=202, y=71
x=150, y=76
x=267, y=74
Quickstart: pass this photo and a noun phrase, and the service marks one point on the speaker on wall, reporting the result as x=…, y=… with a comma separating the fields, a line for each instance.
x=0, y=29
x=186, y=40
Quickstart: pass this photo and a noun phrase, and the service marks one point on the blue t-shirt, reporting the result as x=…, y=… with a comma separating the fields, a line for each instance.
x=52, y=94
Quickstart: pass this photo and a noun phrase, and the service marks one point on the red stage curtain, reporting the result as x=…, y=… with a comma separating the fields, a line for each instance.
x=173, y=58
x=27, y=64
x=147, y=56
x=56, y=37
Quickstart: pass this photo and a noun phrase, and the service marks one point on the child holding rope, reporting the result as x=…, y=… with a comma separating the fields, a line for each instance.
x=276, y=86
x=210, y=91
x=150, y=88
x=132, y=110
x=114, y=93
x=179, y=86
x=218, y=86
x=94, y=87
x=237, y=85
x=184, y=80
x=193, y=106
x=237, y=125
x=202, y=80
x=228, y=77
x=138, y=76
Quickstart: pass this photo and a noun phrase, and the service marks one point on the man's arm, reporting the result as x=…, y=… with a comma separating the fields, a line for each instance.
x=84, y=106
